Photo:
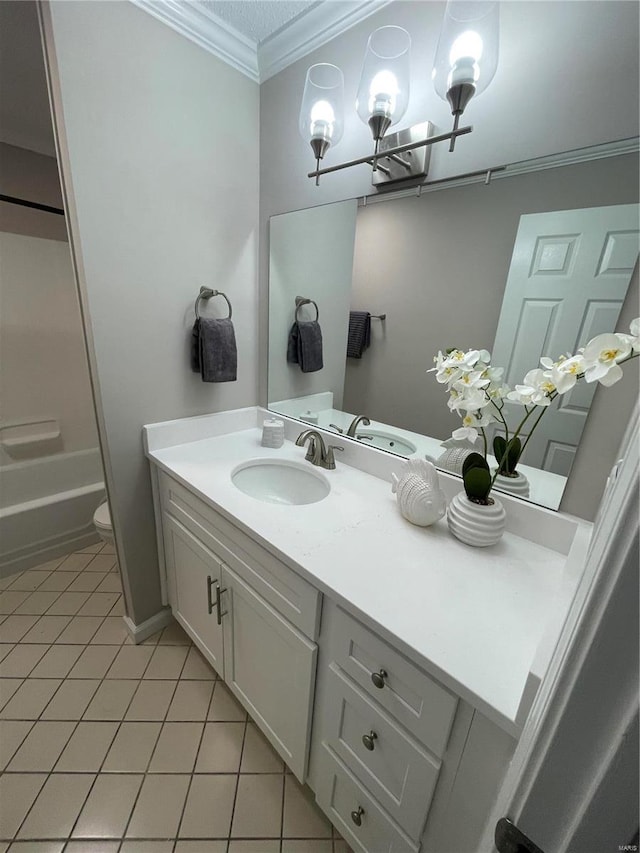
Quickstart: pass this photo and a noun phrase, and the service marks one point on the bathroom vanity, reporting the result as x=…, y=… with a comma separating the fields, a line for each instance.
x=392, y=667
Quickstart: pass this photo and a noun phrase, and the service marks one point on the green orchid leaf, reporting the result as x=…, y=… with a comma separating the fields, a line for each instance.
x=474, y=460
x=477, y=483
x=507, y=453
x=513, y=453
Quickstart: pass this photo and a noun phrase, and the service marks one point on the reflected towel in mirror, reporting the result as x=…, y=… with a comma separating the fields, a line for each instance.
x=359, y=335
x=304, y=346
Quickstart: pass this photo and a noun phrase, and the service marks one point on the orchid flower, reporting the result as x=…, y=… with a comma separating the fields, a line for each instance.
x=477, y=393
x=565, y=372
x=601, y=357
x=536, y=390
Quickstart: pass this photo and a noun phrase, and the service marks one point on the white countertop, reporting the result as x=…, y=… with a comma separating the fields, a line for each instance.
x=472, y=617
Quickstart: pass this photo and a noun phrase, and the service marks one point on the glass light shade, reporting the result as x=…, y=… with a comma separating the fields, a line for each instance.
x=383, y=93
x=467, y=50
x=322, y=108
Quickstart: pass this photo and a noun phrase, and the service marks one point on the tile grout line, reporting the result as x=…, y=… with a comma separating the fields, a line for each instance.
x=235, y=793
x=284, y=788
x=146, y=771
x=197, y=755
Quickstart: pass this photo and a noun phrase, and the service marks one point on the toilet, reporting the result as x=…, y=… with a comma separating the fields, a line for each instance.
x=102, y=523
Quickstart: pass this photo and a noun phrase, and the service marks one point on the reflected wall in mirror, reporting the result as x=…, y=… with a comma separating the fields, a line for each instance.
x=484, y=266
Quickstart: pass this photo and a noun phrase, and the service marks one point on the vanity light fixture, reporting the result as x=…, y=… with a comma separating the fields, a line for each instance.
x=465, y=63
x=322, y=110
x=467, y=53
x=383, y=94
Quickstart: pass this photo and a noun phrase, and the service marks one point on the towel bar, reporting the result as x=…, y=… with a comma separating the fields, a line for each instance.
x=207, y=293
x=303, y=300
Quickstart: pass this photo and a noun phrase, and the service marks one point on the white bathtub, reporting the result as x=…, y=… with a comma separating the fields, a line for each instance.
x=47, y=506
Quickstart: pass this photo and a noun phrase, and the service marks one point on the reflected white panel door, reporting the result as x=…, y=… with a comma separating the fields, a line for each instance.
x=569, y=275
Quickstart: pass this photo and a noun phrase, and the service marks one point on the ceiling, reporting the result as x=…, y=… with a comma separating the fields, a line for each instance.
x=258, y=20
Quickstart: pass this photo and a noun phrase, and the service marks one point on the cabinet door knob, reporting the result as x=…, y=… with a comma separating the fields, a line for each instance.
x=378, y=678
x=356, y=816
x=369, y=740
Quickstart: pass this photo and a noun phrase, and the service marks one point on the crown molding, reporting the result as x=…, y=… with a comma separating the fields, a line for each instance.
x=293, y=41
x=207, y=31
x=310, y=31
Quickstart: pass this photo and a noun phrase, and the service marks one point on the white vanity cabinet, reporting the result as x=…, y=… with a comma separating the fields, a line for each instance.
x=402, y=706
x=252, y=618
x=388, y=745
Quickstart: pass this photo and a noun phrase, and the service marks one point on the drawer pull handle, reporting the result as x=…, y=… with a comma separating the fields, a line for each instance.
x=220, y=612
x=356, y=816
x=378, y=678
x=369, y=740
x=210, y=604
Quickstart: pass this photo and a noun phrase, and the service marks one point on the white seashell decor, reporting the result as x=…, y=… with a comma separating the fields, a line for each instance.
x=420, y=498
x=454, y=455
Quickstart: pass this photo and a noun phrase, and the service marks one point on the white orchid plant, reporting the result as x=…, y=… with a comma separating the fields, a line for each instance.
x=478, y=394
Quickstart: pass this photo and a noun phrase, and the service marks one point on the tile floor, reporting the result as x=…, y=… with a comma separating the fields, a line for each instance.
x=109, y=747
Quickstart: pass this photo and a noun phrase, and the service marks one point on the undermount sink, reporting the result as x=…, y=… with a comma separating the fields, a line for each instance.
x=386, y=441
x=278, y=481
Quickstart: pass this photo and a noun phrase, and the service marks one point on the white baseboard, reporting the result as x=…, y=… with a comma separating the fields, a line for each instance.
x=139, y=633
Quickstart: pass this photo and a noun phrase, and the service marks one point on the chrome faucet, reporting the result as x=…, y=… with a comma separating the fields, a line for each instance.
x=355, y=423
x=318, y=453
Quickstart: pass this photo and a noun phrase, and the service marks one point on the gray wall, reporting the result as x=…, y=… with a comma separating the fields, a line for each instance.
x=159, y=156
x=311, y=256
x=442, y=286
x=571, y=83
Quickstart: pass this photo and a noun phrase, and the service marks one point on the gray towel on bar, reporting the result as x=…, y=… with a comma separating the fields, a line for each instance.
x=304, y=346
x=359, y=336
x=218, y=353
x=195, y=347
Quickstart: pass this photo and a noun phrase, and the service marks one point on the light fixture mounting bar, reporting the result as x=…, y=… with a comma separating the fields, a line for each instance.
x=399, y=149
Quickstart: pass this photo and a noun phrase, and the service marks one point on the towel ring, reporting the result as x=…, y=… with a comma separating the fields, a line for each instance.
x=207, y=293
x=302, y=300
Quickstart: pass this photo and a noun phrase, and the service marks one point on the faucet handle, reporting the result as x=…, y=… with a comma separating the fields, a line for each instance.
x=337, y=428
x=330, y=462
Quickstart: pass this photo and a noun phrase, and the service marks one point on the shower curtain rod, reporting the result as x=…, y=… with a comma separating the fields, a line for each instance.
x=21, y=201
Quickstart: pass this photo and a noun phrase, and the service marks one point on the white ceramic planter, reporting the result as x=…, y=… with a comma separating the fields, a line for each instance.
x=475, y=524
x=518, y=485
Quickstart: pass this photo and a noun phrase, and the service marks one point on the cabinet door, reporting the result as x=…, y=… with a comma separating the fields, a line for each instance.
x=193, y=574
x=270, y=666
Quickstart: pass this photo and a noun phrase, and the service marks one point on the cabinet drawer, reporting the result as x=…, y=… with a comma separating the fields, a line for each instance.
x=290, y=594
x=393, y=767
x=340, y=794
x=424, y=707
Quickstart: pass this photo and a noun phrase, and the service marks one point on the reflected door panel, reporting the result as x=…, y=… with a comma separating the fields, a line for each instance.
x=568, y=278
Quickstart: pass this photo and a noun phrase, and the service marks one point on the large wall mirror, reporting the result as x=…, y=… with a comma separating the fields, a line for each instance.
x=534, y=263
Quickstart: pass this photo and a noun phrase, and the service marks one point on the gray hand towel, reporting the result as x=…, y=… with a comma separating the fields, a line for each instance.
x=195, y=347
x=304, y=346
x=359, y=335
x=218, y=352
